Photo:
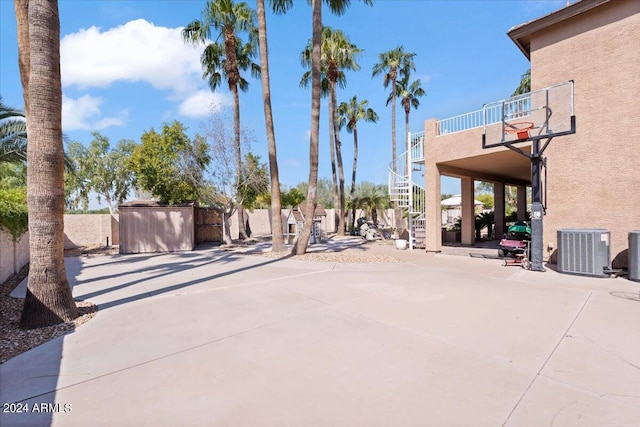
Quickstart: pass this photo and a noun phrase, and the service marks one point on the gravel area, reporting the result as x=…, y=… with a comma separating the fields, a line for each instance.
x=14, y=341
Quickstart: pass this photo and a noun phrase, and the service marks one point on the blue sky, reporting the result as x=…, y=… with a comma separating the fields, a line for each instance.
x=125, y=70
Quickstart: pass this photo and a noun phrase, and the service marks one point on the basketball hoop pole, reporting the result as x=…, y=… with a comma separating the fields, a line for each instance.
x=537, y=211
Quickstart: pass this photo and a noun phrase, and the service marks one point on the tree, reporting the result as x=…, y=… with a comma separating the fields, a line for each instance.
x=170, y=166
x=372, y=199
x=338, y=7
x=392, y=63
x=103, y=170
x=227, y=57
x=254, y=181
x=277, y=230
x=324, y=192
x=337, y=54
x=48, y=300
x=229, y=186
x=525, y=84
x=350, y=114
x=13, y=135
x=292, y=198
x=408, y=94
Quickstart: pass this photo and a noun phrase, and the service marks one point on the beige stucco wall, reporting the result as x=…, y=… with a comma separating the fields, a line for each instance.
x=90, y=230
x=13, y=255
x=593, y=176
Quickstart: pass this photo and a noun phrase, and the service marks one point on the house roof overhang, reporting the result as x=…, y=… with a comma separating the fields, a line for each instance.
x=521, y=34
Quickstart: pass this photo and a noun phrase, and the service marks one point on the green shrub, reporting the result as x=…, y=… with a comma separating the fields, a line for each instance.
x=13, y=211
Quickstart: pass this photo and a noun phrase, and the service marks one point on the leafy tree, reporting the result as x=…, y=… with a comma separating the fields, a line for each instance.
x=525, y=84
x=254, y=181
x=13, y=211
x=338, y=7
x=170, y=166
x=292, y=198
x=13, y=175
x=350, y=114
x=324, y=196
x=277, y=233
x=103, y=170
x=48, y=300
x=226, y=20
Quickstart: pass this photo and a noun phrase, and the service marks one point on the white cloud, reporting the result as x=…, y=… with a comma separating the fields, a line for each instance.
x=426, y=78
x=137, y=51
x=203, y=103
x=81, y=114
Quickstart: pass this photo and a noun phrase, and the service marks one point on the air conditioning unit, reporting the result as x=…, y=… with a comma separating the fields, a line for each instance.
x=584, y=251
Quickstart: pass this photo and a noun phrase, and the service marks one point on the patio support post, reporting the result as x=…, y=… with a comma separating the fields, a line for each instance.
x=433, y=210
x=498, y=208
x=522, y=202
x=468, y=211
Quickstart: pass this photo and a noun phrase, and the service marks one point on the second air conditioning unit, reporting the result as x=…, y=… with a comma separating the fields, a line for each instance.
x=584, y=251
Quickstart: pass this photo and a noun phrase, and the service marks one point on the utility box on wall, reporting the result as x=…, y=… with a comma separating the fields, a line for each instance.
x=634, y=255
x=584, y=251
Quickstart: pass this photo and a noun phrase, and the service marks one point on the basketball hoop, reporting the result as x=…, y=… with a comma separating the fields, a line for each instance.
x=521, y=129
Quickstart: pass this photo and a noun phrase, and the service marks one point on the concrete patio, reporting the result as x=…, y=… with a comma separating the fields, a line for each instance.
x=215, y=338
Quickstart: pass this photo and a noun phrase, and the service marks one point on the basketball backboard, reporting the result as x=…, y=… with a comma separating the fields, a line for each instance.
x=540, y=114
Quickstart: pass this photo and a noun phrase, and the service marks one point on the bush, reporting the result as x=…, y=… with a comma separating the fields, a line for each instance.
x=13, y=211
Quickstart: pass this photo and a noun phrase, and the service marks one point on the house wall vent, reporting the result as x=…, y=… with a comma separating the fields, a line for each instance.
x=584, y=251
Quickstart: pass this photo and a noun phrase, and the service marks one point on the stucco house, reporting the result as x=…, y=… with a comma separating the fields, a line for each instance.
x=592, y=177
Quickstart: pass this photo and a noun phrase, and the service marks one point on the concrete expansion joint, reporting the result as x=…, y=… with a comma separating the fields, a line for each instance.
x=564, y=335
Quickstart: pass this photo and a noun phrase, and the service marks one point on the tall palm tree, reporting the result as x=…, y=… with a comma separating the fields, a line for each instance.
x=350, y=114
x=48, y=300
x=227, y=57
x=337, y=54
x=13, y=135
x=338, y=7
x=392, y=63
x=277, y=231
x=325, y=91
x=408, y=94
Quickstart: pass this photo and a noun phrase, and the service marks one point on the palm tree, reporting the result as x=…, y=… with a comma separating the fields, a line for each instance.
x=338, y=7
x=13, y=135
x=325, y=91
x=227, y=57
x=48, y=300
x=337, y=54
x=408, y=94
x=277, y=231
x=392, y=63
x=373, y=199
x=350, y=114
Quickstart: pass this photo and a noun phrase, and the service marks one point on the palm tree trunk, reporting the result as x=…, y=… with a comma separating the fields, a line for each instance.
x=334, y=119
x=303, y=241
x=24, y=49
x=396, y=210
x=242, y=233
x=334, y=176
x=48, y=300
x=277, y=231
x=353, y=174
